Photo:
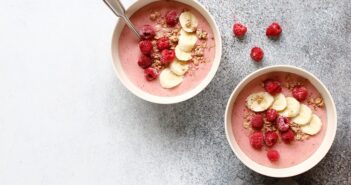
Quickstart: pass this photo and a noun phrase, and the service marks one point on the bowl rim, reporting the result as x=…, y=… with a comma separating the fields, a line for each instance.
x=312, y=160
x=168, y=99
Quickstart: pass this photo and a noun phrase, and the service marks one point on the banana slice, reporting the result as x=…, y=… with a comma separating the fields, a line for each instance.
x=279, y=103
x=169, y=80
x=188, y=21
x=304, y=116
x=178, y=67
x=259, y=102
x=187, y=41
x=292, y=109
x=182, y=55
x=313, y=127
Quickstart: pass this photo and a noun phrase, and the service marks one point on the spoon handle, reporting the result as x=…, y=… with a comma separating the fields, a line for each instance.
x=118, y=9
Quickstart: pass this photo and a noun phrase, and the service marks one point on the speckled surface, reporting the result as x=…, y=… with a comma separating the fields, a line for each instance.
x=66, y=119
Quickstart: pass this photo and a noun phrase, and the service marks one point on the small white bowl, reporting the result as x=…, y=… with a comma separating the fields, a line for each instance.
x=171, y=99
x=316, y=157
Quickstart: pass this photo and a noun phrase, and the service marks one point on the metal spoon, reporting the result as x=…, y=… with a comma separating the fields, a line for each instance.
x=118, y=9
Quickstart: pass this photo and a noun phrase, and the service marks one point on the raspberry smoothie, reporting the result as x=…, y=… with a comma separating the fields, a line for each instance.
x=148, y=79
x=292, y=150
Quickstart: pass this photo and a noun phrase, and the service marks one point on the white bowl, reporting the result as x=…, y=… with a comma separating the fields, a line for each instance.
x=160, y=99
x=316, y=157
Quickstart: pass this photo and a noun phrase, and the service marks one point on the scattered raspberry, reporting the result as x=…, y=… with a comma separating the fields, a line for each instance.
x=150, y=73
x=287, y=136
x=256, y=140
x=273, y=155
x=144, y=61
x=283, y=123
x=271, y=115
x=147, y=32
x=239, y=29
x=274, y=30
x=167, y=56
x=257, y=122
x=257, y=54
x=172, y=18
x=273, y=87
x=145, y=46
x=270, y=138
x=300, y=93
x=162, y=43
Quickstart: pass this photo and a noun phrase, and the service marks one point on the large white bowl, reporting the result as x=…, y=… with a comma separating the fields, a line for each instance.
x=316, y=157
x=160, y=99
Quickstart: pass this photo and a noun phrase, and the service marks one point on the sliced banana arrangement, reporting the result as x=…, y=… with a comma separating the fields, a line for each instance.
x=188, y=21
x=186, y=41
x=178, y=67
x=292, y=109
x=279, y=103
x=304, y=116
x=259, y=102
x=313, y=127
x=168, y=79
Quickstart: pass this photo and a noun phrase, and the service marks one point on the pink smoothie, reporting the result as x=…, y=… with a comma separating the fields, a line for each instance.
x=129, y=51
x=290, y=154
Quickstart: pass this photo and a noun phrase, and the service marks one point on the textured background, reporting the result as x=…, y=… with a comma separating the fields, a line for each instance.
x=66, y=119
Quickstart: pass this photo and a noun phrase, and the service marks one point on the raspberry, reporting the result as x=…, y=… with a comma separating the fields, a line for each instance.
x=167, y=56
x=150, y=73
x=239, y=30
x=300, y=93
x=172, y=18
x=271, y=115
x=287, y=136
x=256, y=140
x=147, y=32
x=270, y=138
x=273, y=155
x=257, y=122
x=283, y=123
x=145, y=46
x=162, y=43
x=273, y=30
x=144, y=61
x=257, y=54
x=273, y=87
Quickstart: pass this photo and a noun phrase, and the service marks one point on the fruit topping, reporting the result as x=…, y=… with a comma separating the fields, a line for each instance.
x=270, y=138
x=271, y=115
x=259, y=102
x=167, y=56
x=168, y=79
x=257, y=122
x=304, y=116
x=274, y=30
x=150, y=73
x=287, y=136
x=182, y=55
x=300, y=93
x=292, y=108
x=179, y=67
x=144, y=61
x=145, y=47
x=272, y=86
x=257, y=54
x=172, y=18
x=279, y=103
x=163, y=43
x=273, y=155
x=256, y=140
x=239, y=29
x=147, y=32
x=186, y=41
x=282, y=123
x=313, y=127
x=188, y=21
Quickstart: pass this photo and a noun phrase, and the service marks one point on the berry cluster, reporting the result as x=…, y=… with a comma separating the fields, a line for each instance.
x=273, y=31
x=148, y=33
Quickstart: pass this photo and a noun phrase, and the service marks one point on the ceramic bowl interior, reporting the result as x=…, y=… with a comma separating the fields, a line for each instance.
x=171, y=99
x=316, y=156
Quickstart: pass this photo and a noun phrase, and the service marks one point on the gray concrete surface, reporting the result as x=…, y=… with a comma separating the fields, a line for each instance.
x=66, y=119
